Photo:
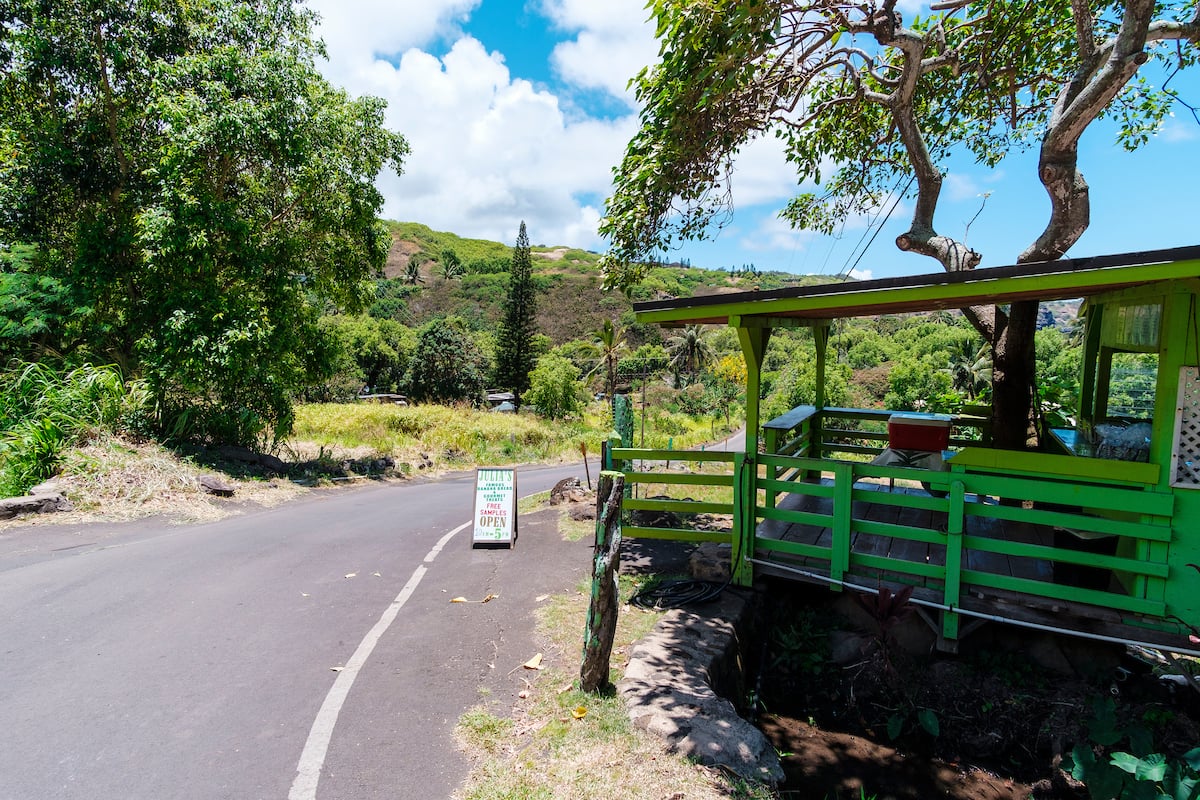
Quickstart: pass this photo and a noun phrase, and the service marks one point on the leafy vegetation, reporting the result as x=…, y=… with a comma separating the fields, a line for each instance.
x=43, y=412
x=189, y=190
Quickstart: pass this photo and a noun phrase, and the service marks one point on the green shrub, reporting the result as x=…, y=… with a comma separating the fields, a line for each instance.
x=44, y=411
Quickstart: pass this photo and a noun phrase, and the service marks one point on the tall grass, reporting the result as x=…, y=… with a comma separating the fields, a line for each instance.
x=44, y=410
x=464, y=436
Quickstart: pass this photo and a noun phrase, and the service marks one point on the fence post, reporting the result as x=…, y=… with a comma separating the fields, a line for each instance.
x=602, y=611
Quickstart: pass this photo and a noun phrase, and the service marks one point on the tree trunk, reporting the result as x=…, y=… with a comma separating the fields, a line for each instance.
x=602, y=612
x=1014, y=396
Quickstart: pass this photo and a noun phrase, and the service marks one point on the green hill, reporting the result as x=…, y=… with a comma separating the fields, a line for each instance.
x=571, y=301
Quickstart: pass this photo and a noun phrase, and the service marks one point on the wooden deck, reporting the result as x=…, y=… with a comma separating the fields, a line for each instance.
x=1080, y=618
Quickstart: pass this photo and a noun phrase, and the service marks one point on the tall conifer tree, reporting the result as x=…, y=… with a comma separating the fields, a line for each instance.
x=515, y=357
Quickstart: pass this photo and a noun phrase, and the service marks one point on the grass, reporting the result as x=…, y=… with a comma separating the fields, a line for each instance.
x=461, y=437
x=112, y=478
x=448, y=437
x=564, y=743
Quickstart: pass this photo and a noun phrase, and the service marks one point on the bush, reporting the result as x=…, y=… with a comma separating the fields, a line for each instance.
x=43, y=411
x=554, y=387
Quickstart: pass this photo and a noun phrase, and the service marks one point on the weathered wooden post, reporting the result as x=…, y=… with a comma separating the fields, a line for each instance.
x=602, y=612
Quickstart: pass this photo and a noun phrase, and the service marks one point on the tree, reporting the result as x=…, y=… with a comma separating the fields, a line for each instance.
x=452, y=266
x=515, y=355
x=372, y=352
x=447, y=365
x=886, y=103
x=690, y=350
x=554, y=387
x=197, y=188
x=611, y=339
x=412, y=272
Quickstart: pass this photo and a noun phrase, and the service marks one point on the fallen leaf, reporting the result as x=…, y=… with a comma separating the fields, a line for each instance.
x=489, y=598
x=534, y=663
x=459, y=600
x=541, y=597
x=376, y=574
x=523, y=694
x=566, y=687
x=337, y=669
x=352, y=575
x=580, y=712
x=305, y=594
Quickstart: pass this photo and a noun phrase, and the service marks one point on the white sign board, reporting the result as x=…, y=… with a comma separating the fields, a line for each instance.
x=495, y=507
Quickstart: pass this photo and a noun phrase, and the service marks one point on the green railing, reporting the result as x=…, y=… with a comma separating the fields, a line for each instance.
x=678, y=474
x=862, y=432
x=1076, y=505
x=989, y=514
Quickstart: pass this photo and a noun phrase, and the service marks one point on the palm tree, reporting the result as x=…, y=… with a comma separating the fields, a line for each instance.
x=452, y=266
x=412, y=273
x=970, y=370
x=690, y=349
x=611, y=339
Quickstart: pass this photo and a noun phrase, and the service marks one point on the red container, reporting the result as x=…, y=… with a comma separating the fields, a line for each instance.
x=919, y=431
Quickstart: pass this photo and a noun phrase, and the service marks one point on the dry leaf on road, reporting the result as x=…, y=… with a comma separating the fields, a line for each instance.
x=534, y=663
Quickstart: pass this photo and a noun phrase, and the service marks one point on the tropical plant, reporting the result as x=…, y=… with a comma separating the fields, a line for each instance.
x=44, y=410
x=690, y=350
x=970, y=370
x=1137, y=775
x=452, y=266
x=611, y=339
x=412, y=272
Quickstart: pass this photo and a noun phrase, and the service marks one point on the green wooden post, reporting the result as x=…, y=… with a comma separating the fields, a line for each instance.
x=954, y=553
x=745, y=517
x=771, y=447
x=1091, y=355
x=821, y=337
x=623, y=422
x=843, y=488
x=742, y=571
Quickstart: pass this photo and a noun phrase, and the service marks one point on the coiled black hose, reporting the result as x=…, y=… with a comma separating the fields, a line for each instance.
x=677, y=593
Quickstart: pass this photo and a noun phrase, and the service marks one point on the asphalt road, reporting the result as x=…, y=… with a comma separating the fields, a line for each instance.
x=152, y=661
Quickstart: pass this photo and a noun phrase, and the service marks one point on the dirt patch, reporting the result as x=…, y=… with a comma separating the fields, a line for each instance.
x=854, y=714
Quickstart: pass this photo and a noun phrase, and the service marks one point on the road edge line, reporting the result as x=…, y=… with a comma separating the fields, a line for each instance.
x=316, y=747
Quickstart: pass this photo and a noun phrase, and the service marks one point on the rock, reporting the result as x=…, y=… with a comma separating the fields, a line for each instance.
x=52, y=486
x=582, y=511
x=248, y=456
x=214, y=484
x=848, y=647
x=711, y=562
x=560, y=493
x=668, y=689
x=34, y=504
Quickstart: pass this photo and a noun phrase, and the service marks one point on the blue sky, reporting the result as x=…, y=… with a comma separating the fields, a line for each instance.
x=518, y=111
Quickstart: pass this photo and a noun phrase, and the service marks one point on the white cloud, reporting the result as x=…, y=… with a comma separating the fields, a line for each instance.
x=1178, y=130
x=614, y=41
x=489, y=151
x=356, y=32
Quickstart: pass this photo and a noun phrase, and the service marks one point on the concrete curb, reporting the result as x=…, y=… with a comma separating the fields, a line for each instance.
x=672, y=681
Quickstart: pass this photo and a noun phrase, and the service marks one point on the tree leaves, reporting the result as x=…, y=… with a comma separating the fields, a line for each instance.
x=198, y=188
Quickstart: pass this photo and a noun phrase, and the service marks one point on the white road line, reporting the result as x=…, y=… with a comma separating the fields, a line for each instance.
x=312, y=758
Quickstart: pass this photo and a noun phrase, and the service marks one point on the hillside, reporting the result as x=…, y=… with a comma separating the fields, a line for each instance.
x=571, y=302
